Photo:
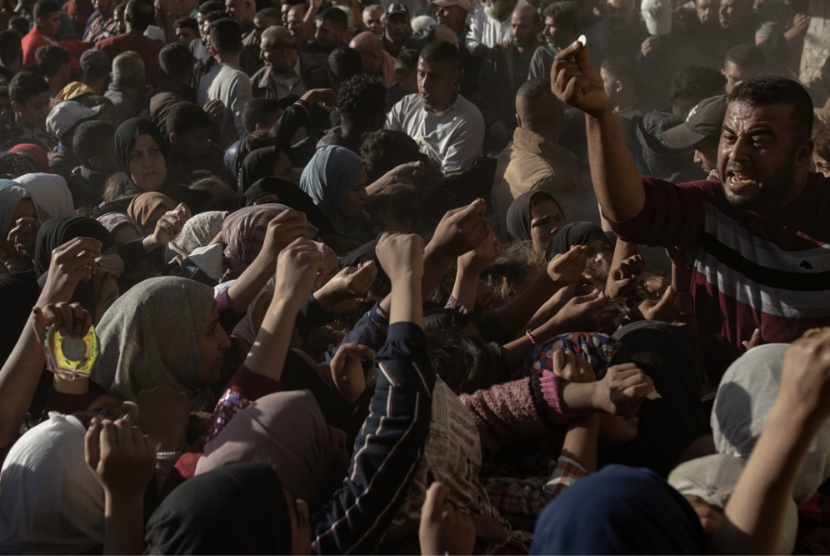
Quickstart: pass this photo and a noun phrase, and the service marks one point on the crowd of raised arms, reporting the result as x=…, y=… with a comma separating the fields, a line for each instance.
x=431, y=277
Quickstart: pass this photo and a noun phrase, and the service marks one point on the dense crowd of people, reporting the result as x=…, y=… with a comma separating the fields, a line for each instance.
x=436, y=277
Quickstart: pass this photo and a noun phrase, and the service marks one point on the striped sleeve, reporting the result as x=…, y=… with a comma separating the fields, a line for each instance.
x=387, y=449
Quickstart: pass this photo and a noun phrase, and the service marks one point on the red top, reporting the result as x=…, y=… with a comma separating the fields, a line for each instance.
x=37, y=38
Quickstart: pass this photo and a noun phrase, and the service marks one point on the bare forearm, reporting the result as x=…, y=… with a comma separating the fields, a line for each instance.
x=267, y=355
x=581, y=441
x=518, y=312
x=124, y=525
x=245, y=289
x=19, y=378
x=755, y=512
x=616, y=180
x=464, y=288
x=407, y=303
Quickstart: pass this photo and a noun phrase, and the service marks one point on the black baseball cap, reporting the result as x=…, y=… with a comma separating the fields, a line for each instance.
x=704, y=120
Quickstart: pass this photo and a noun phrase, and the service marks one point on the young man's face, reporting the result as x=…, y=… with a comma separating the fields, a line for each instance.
x=735, y=74
x=558, y=36
x=620, y=13
x=329, y=34
x=436, y=83
x=398, y=28
x=707, y=10
x=33, y=113
x=759, y=153
x=193, y=144
x=186, y=35
x=50, y=24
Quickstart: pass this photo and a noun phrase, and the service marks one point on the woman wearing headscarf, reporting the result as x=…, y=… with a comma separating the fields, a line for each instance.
x=746, y=394
x=287, y=430
x=195, y=518
x=50, y=193
x=198, y=231
x=243, y=234
x=536, y=216
x=99, y=293
x=50, y=500
x=144, y=156
x=18, y=214
x=37, y=157
x=123, y=228
x=164, y=332
x=267, y=162
x=335, y=179
x=14, y=165
x=276, y=190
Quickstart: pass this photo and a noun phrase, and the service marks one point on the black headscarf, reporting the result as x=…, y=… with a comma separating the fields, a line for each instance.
x=669, y=424
x=125, y=137
x=518, y=214
x=258, y=164
x=54, y=233
x=291, y=196
x=236, y=509
x=576, y=233
x=18, y=294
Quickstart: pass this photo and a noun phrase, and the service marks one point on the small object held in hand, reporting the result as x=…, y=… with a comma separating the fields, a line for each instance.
x=653, y=395
x=583, y=39
x=70, y=357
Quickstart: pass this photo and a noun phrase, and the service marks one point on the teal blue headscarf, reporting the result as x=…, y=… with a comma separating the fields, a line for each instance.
x=327, y=179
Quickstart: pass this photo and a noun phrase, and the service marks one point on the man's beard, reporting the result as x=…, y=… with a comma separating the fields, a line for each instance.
x=777, y=188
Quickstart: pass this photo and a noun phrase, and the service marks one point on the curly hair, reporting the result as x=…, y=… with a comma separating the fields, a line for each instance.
x=360, y=97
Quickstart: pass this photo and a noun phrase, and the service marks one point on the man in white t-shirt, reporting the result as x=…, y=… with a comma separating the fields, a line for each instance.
x=447, y=126
x=230, y=85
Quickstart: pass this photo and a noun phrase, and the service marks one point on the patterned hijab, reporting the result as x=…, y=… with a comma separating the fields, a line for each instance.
x=199, y=231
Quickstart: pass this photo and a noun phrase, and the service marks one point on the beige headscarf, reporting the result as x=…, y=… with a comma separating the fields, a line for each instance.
x=150, y=337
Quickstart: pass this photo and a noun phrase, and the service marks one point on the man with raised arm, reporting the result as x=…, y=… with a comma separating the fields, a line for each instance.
x=756, y=242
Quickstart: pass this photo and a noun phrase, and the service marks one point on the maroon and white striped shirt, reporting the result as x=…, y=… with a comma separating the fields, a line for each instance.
x=750, y=270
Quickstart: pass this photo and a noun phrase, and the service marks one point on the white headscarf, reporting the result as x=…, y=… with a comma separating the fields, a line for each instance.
x=50, y=194
x=50, y=501
x=745, y=396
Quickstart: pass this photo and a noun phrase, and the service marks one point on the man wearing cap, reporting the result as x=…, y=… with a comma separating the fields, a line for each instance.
x=453, y=14
x=105, y=25
x=757, y=241
x=701, y=130
x=47, y=24
x=62, y=121
x=490, y=25
x=397, y=29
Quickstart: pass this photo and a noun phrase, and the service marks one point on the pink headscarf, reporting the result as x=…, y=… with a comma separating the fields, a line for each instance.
x=286, y=430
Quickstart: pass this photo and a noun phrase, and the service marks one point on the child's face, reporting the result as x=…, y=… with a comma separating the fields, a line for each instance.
x=407, y=80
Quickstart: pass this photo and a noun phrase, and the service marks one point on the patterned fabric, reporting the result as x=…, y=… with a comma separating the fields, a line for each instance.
x=528, y=497
x=597, y=349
